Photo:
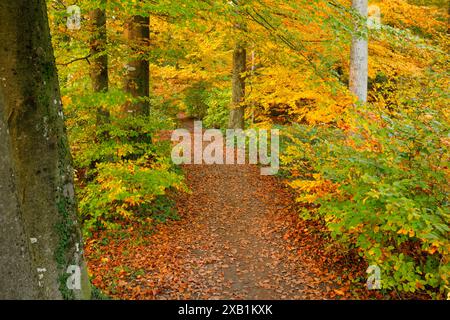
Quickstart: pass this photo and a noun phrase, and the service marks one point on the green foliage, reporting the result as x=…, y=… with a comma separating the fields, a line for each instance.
x=209, y=104
x=123, y=168
x=195, y=99
x=124, y=191
x=381, y=188
x=218, y=102
x=97, y=294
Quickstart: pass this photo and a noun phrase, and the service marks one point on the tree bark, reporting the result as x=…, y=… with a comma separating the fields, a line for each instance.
x=99, y=64
x=137, y=80
x=39, y=231
x=359, y=55
x=237, y=111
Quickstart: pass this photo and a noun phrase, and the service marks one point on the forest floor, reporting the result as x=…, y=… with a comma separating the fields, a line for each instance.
x=237, y=238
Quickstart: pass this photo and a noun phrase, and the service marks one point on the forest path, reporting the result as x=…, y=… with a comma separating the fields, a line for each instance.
x=231, y=242
x=234, y=246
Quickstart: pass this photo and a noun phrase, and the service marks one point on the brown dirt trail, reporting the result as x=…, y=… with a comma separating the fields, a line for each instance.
x=230, y=243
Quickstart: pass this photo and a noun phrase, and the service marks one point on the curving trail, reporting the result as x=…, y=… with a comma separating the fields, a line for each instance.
x=230, y=243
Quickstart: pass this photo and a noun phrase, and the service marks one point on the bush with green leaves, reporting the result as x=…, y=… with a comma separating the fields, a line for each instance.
x=123, y=167
x=195, y=98
x=218, y=112
x=381, y=187
x=209, y=104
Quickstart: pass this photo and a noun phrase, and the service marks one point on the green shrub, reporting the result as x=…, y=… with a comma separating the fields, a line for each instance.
x=381, y=188
x=196, y=99
x=123, y=169
x=218, y=109
x=209, y=104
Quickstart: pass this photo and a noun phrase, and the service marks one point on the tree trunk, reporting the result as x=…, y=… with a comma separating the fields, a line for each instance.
x=137, y=79
x=39, y=232
x=359, y=55
x=237, y=111
x=99, y=64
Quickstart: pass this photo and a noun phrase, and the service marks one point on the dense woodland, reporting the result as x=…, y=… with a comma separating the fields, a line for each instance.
x=358, y=90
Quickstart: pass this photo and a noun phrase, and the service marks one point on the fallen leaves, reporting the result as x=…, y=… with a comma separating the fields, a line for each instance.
x=239, y=237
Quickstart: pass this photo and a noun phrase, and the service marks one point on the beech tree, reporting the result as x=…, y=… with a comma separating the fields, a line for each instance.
x=137, y=79
x=237, y=111
x=39, y=232
x=359, y=52
x=238, y=87
x=99, y=65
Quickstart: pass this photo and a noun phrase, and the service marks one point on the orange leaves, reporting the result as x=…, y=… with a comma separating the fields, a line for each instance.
x=311, y=190
x=339, y=292
x=66, y=100
x=228, y=244
x=403, y=231
x=403, y=14
x=300, y=98
x=134, y=200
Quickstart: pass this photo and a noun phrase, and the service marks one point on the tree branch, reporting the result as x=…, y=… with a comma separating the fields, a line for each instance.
x=75, y=60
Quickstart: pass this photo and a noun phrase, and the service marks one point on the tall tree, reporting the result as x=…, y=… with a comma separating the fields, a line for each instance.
x=99, y=65
x=237, y=111
x=137, y=83
x=238, y=87
x=39, y=233
x=359, y=52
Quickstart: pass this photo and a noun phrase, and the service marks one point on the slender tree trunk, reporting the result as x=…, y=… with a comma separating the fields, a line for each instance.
x=237, y=111
x=137, y=79
x=39, y=232
x=238, y=88
x=99, y=64
x=359, y=55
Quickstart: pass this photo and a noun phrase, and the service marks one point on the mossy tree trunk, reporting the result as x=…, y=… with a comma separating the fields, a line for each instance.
x=99, y=64
x=137, y=79
x=39, y=231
